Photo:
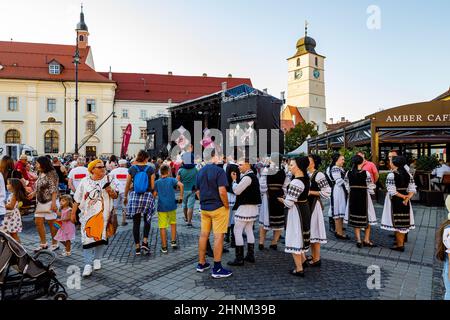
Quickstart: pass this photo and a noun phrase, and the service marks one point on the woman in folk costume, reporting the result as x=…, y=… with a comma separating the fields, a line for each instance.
x=273, y=184
x=299, y=215
x=336, y=174
x=397, y=213
x=319, y=189
x=94, y=196
x=360, y=212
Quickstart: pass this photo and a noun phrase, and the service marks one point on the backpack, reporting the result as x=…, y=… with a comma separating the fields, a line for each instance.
x=140, y=181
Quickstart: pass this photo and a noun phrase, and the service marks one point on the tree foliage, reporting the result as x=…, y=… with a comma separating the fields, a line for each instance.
x=297, y=135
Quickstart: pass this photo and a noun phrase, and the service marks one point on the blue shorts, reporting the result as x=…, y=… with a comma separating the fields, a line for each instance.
x=188, y=199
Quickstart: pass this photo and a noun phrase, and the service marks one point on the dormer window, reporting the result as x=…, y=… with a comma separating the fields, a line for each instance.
x=54, y=67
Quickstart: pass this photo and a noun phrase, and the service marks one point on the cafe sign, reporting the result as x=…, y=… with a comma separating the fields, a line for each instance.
x=425, y=114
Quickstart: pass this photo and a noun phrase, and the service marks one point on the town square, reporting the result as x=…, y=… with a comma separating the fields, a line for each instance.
x=224, y=151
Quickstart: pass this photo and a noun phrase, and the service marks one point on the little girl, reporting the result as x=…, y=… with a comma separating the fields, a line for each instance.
x=12, y=223
x=443, y=251
x=66, y=233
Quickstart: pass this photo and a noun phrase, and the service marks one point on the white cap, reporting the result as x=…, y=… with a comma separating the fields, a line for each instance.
x=122, y=162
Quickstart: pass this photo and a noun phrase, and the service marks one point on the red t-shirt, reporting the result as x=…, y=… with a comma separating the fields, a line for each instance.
x=22, y=168
x=371, y=168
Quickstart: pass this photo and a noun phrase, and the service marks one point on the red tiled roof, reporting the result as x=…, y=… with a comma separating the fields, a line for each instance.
x=23, y=60
x=161, y=88
x=336, y=126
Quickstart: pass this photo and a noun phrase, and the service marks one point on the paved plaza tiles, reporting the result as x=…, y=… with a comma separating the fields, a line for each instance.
x=344, y=274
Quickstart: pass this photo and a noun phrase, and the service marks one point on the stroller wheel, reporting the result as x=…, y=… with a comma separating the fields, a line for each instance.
x=60, y=296
x=53, y=290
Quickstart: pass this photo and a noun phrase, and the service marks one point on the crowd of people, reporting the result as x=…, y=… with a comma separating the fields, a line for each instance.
x=285, y=197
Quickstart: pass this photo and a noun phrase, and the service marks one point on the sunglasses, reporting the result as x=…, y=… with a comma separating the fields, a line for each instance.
x=101, y=167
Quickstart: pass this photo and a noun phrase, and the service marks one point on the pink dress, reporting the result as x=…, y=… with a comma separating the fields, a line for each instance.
x=67, y=230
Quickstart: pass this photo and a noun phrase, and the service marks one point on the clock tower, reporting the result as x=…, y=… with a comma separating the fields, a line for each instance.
x=306, y=82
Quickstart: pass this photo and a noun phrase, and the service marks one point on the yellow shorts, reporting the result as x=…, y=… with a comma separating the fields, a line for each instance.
x=167, y=218
x=217, y=219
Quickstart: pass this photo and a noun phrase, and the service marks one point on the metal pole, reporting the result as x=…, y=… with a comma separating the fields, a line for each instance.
x=76, y=61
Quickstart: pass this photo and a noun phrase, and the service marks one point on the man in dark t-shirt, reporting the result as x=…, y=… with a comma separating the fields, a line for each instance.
x=211, y=186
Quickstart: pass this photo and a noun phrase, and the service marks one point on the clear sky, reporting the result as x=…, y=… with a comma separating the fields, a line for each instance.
x=406, y=60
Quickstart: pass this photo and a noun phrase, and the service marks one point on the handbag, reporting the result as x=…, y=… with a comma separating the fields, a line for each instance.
x=111, y=227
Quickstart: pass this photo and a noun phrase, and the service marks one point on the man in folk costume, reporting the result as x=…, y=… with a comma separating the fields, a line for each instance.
x=248, y=198
x=273, y=183
x=397, y=212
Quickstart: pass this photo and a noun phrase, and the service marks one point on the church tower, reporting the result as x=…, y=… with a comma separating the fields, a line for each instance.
x=82, y=32
x=306, y=82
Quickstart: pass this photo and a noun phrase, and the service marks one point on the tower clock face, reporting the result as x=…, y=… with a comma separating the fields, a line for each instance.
x=316, y=73
x=298, y=74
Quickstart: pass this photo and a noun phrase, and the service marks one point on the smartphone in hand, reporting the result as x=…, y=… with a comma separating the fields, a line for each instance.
x=106, y=185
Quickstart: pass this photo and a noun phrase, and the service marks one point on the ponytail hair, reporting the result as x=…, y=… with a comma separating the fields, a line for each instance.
x=334, y=159
x=400, y=162
x=356, y=161
x=317, y=160
x=303, y=164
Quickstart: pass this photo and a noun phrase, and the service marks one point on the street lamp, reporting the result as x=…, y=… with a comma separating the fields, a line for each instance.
x=76, y=61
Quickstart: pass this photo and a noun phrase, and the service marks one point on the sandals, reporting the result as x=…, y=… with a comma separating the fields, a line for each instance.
x=338, y=236
x=41, y=247
x=312, y=264
x=369, y=244
x=297, y=273
x=397, y=248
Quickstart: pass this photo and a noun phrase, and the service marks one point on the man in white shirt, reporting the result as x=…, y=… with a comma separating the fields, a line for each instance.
x=438, y=173
x=74, y=162
x=120, y=175
x=77, y=174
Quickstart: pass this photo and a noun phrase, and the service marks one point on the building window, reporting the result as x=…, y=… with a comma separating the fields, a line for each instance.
x=51, y=105
x=13, y=104
x=81, y=38
x=90, y=105
x=298, y=62
x=90, y=126
x=12, y=136
x=51, y=142
x=143, y=133
x=54, y=68
x=125, y=113
x=143, y=114
x=317, y=62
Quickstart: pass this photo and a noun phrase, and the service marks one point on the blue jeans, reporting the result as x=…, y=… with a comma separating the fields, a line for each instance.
x=92, y=254
x=446, y=280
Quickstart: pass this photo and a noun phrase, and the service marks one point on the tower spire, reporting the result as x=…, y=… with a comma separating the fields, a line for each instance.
x=306, y=28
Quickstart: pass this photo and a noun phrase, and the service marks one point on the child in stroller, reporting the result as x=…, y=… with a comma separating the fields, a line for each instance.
x=23, y=277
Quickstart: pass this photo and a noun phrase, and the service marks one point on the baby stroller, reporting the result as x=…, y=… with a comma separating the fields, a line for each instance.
x=23, y=277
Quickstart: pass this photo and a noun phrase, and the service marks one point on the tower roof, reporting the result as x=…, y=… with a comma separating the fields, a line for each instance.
x=81, y=26
x=306, y=44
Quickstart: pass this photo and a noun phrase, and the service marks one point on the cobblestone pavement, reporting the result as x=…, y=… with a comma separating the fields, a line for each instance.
x=413, y=274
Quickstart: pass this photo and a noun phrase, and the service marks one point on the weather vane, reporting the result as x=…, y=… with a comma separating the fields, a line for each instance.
x=306, y=28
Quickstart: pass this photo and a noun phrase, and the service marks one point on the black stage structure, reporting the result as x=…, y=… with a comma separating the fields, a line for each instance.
x=157, y=136
x=240, y=110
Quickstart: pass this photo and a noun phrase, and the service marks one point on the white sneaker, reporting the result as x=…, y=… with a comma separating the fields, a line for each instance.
x=87, y=270
x=97, y=264
x=55, y=247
